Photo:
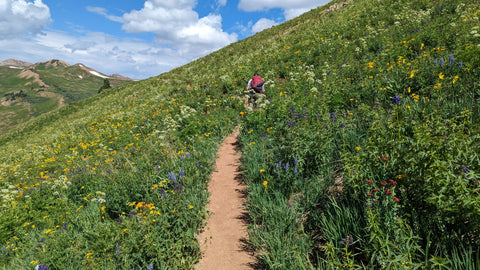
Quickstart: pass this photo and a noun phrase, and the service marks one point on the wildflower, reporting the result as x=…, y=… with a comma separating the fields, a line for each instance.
x=265, y=183
x=41, y=267
x=295, y=171
x=369, y=182
x=358, y=148
x=455, y=79
x=295, y=161
x=343, y=125
x=262, y=170
x=190, y=207
x=369, y=194
x=397, y=200
x=279, y=164
x=384, y=183
x=150, y=267
x=348, y=240
x=388, y=192
x=172, y=176
x=441, y=76
x=392, y=182
x=375, y=201
x=287, y=166
x=412, y=73
x=117, y=250
x=396, y=100
x=452, y=59
x=465, y=169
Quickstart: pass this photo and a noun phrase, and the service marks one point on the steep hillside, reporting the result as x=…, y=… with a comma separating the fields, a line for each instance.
x=28, y=90
x=363, y=152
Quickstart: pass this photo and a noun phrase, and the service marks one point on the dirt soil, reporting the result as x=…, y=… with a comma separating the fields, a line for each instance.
x=222, y=241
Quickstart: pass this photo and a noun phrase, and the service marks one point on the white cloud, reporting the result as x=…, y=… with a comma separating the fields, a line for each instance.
x=103, y=12
x=222, y=3
x=262, y=24
x=177, y=25
x=291, y=8
x=18, y=17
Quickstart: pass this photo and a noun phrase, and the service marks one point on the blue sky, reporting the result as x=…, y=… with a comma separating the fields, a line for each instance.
x=135, y=38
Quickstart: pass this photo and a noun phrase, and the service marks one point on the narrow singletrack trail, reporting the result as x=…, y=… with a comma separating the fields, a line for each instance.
x=221, y=242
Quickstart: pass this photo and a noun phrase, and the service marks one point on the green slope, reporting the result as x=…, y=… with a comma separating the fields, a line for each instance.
x=363, y=152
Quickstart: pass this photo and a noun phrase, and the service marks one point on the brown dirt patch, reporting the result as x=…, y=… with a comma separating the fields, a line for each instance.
x=28, y=74
x=222, y=241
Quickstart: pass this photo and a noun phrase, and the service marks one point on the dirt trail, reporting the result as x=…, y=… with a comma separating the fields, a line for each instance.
x=221, y=241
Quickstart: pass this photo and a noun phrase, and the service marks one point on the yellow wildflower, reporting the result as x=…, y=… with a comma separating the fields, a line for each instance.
x=265, y=183
x=455, y=79
x=441, y=76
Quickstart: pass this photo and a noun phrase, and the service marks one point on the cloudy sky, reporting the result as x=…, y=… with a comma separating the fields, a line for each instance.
x=135, y=38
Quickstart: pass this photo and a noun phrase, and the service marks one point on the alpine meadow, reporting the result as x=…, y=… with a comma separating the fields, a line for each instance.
x=363, y=152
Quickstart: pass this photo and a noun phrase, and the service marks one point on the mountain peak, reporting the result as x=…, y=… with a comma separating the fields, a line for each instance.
x=15, y=62
x=54, y=63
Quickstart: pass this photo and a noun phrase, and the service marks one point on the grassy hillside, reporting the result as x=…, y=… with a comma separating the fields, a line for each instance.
x=28, y=92
x=363, y=152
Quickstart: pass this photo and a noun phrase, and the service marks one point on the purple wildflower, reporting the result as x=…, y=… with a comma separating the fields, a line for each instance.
x=396, y=100
x=150, y=267
x=348, y=240
x=117, y=250
x=264, y=134
x=343, y=125
x=172, y=176
x=436, y=62
x=442, y=62
x=461, y=63
x=279, y=164
x=464, y=168
x=187, y=155
x=295, y=171
x=164, y=193
x=295, y=161
x=41, y=267
x=452, y=59
x=287, y=166
x=199, y=164
x=181, y=174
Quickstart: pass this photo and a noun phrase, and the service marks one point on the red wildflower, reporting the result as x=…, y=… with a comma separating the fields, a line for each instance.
x=375, y=201
x=375, y=190
x=392, y=182
x=369, y=194
x=397, y=200
x=388, y=192
x=384, y=183
x=369, y=182
x=384, y=158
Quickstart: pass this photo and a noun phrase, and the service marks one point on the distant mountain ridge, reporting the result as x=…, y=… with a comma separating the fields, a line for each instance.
x=28, y=90
x=15, y=63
